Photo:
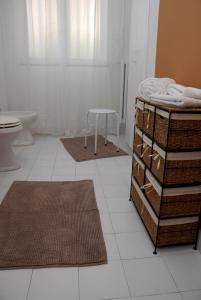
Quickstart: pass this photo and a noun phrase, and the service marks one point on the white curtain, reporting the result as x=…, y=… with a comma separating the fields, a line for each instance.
x=142, y=52
x=2, y=72
x=43, y=29
x=63, y=57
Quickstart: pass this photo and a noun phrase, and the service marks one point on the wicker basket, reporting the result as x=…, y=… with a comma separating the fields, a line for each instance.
x=148, y=120
x=146, y=151
x=164, y=232
x=138, y=143
x=177, y=131
x=181, y=167
x=139, y=114
x=138, y=170
x=172, y=202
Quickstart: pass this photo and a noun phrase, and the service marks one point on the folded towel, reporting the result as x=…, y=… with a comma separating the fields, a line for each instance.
x=151, y=86
x=192, y=92
x=168, y=98
x=191, y=102
x=167, y=81
x=164, y=103
x=175, y=89
x=185, y=102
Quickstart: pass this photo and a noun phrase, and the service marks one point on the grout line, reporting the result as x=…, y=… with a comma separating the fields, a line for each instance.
x=34, y=161
x=182, y=298
x=127, y=298
x=27, y=296
x=79, y=283
x=161, y=294
x=169, y=271
x=189, y=291
x=125, y=277
x=54, y=164
x=129, y=290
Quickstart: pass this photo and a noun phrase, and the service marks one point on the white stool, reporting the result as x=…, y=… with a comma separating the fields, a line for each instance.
x=97, y=112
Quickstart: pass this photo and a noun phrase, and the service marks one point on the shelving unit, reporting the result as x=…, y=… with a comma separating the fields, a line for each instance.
x=166, y=172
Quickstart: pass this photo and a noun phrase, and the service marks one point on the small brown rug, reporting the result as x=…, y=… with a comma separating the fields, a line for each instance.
x=50, y=224
x=75, y=146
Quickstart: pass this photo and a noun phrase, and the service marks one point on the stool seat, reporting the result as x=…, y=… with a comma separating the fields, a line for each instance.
x=101, y=111
x=97, y=112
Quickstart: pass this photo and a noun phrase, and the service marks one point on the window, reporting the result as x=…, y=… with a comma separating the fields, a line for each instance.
x=43, y=28
x=72, y=29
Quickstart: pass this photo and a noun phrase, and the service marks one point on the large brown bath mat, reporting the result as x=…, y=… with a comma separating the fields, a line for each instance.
x=75, y=146
x=50, y=224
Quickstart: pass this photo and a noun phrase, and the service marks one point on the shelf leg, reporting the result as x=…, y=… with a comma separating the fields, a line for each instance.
x=155, y=252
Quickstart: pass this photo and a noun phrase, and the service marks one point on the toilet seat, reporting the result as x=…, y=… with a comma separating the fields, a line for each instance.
x=9, y=122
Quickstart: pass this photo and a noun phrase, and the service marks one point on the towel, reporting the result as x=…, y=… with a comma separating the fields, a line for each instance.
x=184, y=102
x=191, y=102
x=167, y=81
x=192, y=92
x=153, y=85
x=175, y=90
x=167, y=98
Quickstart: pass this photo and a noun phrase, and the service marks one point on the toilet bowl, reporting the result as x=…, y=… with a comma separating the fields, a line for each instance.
x=25, y=137
x=10, y=127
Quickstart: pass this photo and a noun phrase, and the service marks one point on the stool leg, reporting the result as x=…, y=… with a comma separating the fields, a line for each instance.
x=106, y=126
x=117, y=119
x=96, y=134
x=87, y=128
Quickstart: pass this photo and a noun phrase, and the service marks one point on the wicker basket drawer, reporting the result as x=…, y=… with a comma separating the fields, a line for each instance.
x=172, y=202
x=148, y=221
x=148, y=121
x=139, y=114
x=170, y=231
x=180, y=168
x=137, y=144
x=184, y=130
x=146, y=151
x=138, y=170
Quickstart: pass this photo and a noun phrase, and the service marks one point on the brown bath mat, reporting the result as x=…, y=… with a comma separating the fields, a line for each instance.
x=75, y=146
x=50, y=224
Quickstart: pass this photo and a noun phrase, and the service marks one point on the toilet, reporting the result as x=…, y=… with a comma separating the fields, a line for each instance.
x=25, y=137
x=10, y=127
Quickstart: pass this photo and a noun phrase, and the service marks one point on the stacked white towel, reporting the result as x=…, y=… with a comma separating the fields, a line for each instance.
x=165, y=91
x=166, y=98
x=192, y=93
x=172, y=102
x=175, y=90
x=151, y=86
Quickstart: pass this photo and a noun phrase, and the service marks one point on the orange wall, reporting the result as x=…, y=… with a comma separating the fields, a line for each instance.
x=179, y=41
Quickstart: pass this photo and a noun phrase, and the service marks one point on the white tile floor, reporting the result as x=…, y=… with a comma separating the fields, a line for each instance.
x=133, y=272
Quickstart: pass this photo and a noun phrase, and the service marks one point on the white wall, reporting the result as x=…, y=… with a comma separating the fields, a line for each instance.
x=142, y=52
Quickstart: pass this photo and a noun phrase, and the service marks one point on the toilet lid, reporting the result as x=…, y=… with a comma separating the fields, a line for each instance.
x=7, y=122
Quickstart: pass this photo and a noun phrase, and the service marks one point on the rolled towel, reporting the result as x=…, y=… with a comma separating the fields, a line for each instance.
x=192, y=92
x=175, y=89
x=167, y=81
x=167, y=98
x=153, y=85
